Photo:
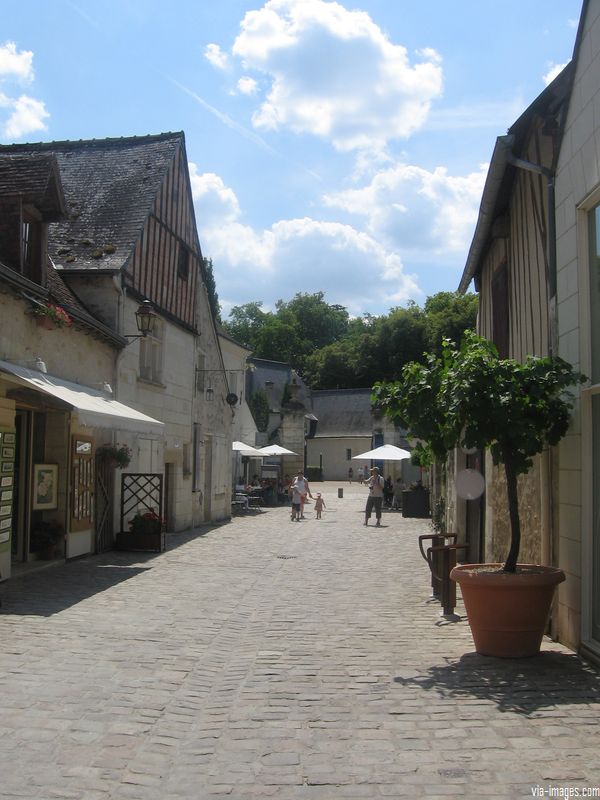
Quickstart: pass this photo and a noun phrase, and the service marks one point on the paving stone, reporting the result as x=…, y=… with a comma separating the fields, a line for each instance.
x=220, y=670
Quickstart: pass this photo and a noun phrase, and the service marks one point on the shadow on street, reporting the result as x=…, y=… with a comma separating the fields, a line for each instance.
x=520, y=685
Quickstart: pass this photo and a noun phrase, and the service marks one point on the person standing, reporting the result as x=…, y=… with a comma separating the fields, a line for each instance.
x=319, y=505
x=350, y=475
x=301, y=490
x=361, y=475
x=375, y=498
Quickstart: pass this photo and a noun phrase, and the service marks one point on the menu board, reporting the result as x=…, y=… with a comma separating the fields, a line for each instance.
x=8, y=441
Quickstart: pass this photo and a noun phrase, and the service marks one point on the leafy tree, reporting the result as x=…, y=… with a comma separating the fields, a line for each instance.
x=245, y=323
x=211, y=288
x=321, y=323
x=259, y=406
x=447, y=316
x=279, y=340
x=471, y=397
x=330, y=350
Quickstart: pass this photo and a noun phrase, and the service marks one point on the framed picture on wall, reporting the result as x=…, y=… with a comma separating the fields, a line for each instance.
x=45, y=486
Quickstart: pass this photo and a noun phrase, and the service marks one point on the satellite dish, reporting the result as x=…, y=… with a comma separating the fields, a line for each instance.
x=470, y=484
x=231, y=399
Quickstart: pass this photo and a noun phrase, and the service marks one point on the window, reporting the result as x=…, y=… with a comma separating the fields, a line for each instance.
x=348, y=454
x=151, y=354
x=197, y=458
x=183, y=262
x=500, y=310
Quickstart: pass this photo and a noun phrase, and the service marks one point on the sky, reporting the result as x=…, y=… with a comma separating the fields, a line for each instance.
x=339, y=147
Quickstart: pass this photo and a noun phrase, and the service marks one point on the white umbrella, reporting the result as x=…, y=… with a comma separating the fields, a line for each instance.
x=387, y=452
x=276, y=450
x=246, y=450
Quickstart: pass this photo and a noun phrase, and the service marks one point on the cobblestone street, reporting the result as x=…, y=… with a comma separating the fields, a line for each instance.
x=264, y=658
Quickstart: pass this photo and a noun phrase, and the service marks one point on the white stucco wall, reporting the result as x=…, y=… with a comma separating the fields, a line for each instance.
x=577, y=191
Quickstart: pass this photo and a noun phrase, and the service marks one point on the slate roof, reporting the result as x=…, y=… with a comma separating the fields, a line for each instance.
x=33, y=179
x=109, y=187
x=342, y=413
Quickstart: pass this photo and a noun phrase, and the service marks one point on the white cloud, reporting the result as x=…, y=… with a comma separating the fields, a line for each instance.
x=214, y=201
x=247, y=85
x=294, y=255
x=335, y=74
x=214, y=54
x=411, y=209
x=28, y=116
x=555, y=69
x=15, y=64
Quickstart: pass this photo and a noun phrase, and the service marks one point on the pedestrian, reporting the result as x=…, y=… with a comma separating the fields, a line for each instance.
x=300, y=491
x=296, y=505
x=361, y=475
x=350, y=475
x=375, y=498
x=319, y=505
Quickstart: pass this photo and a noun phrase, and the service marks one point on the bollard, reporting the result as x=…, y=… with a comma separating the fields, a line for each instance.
x=446, y=558
x=340, y=492
x=437, y=540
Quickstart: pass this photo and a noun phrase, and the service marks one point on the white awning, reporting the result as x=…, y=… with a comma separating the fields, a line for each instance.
x=92, y=407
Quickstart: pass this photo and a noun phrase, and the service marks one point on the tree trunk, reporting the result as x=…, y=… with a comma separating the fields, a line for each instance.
x=513, y=511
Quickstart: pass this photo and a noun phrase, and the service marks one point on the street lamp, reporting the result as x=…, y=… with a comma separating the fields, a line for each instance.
x=145, y=319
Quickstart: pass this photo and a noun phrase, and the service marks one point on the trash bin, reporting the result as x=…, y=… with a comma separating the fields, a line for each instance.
x=340, y=492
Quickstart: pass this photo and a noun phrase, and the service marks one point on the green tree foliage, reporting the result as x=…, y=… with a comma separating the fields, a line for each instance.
x=332, y=351
x=471, y=397
x=245, y=322
x=259, y=406
x=448, y=315
x=211, y=288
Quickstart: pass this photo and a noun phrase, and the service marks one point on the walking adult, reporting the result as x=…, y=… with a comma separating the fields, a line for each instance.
x=375, y=498
x=301, y=489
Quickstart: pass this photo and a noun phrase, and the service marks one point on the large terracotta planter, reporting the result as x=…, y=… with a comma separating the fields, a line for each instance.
x=507, y=612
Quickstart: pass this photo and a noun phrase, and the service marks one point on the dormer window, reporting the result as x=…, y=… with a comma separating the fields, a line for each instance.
x=32, y=197
x=32, y=251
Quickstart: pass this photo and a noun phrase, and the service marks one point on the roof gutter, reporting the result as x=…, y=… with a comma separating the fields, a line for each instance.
x=498, y=164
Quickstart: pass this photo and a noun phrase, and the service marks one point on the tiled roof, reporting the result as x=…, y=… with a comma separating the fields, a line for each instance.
x=109, y=187
x=33, y=179
x=343, y=412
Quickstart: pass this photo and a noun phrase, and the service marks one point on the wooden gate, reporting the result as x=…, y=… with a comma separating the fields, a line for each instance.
x=105, y=484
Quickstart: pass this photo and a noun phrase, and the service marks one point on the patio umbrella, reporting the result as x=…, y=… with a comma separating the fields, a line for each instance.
x=386, y=452
x=276, y=450
x=246, y=450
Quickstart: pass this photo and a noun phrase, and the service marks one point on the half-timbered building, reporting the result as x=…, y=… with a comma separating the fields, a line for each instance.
x=100, y=230
x=511, y=261
x=534, y=259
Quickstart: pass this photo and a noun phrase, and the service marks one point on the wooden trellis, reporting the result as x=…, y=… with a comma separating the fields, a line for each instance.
x=140, y=492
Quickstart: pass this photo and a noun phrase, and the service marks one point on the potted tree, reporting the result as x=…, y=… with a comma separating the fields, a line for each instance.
x=472, y=398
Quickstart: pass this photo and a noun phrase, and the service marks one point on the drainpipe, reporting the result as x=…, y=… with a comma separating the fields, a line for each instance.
x=546, y=504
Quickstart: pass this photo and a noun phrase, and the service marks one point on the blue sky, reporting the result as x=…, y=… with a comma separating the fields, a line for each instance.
x=333, y=146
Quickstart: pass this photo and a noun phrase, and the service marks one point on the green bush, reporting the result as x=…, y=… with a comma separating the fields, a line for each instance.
x=314, y=474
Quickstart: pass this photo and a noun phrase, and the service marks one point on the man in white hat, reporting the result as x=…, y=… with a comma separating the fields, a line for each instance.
x=375, y=498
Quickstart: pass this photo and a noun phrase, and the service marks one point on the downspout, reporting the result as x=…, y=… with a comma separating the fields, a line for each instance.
x=546, y=474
